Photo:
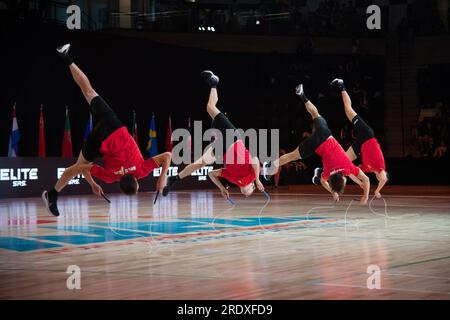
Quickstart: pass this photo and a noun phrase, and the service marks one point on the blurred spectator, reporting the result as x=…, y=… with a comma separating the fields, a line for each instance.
x=441, y=151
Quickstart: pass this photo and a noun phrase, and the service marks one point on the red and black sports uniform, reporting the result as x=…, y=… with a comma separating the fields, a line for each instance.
x=111, y=140
x=236, y=158
x=367, y=147
x=328, y=148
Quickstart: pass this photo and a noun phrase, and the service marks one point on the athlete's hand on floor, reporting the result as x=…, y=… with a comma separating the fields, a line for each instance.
x=335, y=196
x=97, y=190
x=377, y=194
x=225, y=193
x=364, y=200
x=259, y=185
x=161, y=183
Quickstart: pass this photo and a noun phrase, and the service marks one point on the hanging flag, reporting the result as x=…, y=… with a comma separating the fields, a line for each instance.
x=41, y=150
x=14, y=138
x=152, y=146
x=135, y=131
x=67, y=139
x=169, y=145
x=190, y=134
x=88, y=128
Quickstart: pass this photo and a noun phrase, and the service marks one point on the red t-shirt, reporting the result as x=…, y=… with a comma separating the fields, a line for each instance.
x=335, y=159
x=372, y=157
x=121, y=156
x=238, y=165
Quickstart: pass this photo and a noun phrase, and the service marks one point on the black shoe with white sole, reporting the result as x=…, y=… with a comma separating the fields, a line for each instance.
x=64, y=49
x=265, y=170
x=317, y=175
x=50, y=205
x=301, y=93
x=211, y=79
x=170, y=182
x=63, y=52
x=339, y=83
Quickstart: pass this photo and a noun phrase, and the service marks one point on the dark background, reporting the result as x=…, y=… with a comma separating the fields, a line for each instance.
x=256, y=89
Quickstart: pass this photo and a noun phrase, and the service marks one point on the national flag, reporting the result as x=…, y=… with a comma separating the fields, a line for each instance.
x=88, y=128
x=67, y=139
x=135, y=130
x=169, y=144
x=41, y=150
x=152, y=146
x=190, y=134
x=14, y=138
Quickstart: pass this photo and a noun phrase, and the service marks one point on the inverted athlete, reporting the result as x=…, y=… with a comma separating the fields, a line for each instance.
x=109, y=139
x=336, y=165
x=365, y=145
x=240, y=168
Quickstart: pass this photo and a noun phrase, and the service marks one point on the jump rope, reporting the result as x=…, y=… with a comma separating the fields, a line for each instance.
x=267, y=202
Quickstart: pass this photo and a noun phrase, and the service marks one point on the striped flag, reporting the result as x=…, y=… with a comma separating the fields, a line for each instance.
x=14, y=138
x=135, y=130
x=152, y=146
x=169, y=144
x=190, y=134
x=88, y=128
x=41, y=150
x=67, y=139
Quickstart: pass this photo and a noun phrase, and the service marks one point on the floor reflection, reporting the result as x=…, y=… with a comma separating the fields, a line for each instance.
x=17, y=214
x=202, y=204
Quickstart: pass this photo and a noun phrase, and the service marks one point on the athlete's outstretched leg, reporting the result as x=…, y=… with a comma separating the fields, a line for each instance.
x=310, y=107
x=212, y=80
x=271, y=168
x=208, y=157
x=211, y=107
x=286, y=158
x=80, y=78
x=349, y=112
x=50, y=197
x=205, y=159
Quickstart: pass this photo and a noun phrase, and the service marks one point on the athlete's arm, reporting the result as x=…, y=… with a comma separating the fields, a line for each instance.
x=363, y=181
x=86, y=171
x=214, y=176
x=163, y=160
x=256, y=168
x=326, y=186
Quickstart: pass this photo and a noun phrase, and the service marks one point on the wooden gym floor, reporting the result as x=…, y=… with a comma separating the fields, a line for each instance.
x=196, y=245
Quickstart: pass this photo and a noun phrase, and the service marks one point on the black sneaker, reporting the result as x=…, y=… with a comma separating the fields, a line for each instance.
x=51, y=206
x=339, y=83
x=317, y=175
x=170, y=182
x=210, y=78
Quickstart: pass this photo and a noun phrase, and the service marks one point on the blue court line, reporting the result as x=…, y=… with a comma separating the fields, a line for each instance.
x=19, y=244
x=91, y=235
x=100, y=233
x=171, y=227
x=254, y=221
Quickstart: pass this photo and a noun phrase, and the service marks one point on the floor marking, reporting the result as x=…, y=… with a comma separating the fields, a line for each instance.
x=372, y=238
x=380, y=290
x=415, y=275
x=120, y=273
x=418, y=262
x=349, y=195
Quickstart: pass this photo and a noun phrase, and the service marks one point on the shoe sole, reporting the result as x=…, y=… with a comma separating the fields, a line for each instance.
x=265, y=170
x=63, y=49
x=45, y=200
x=207, y=75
